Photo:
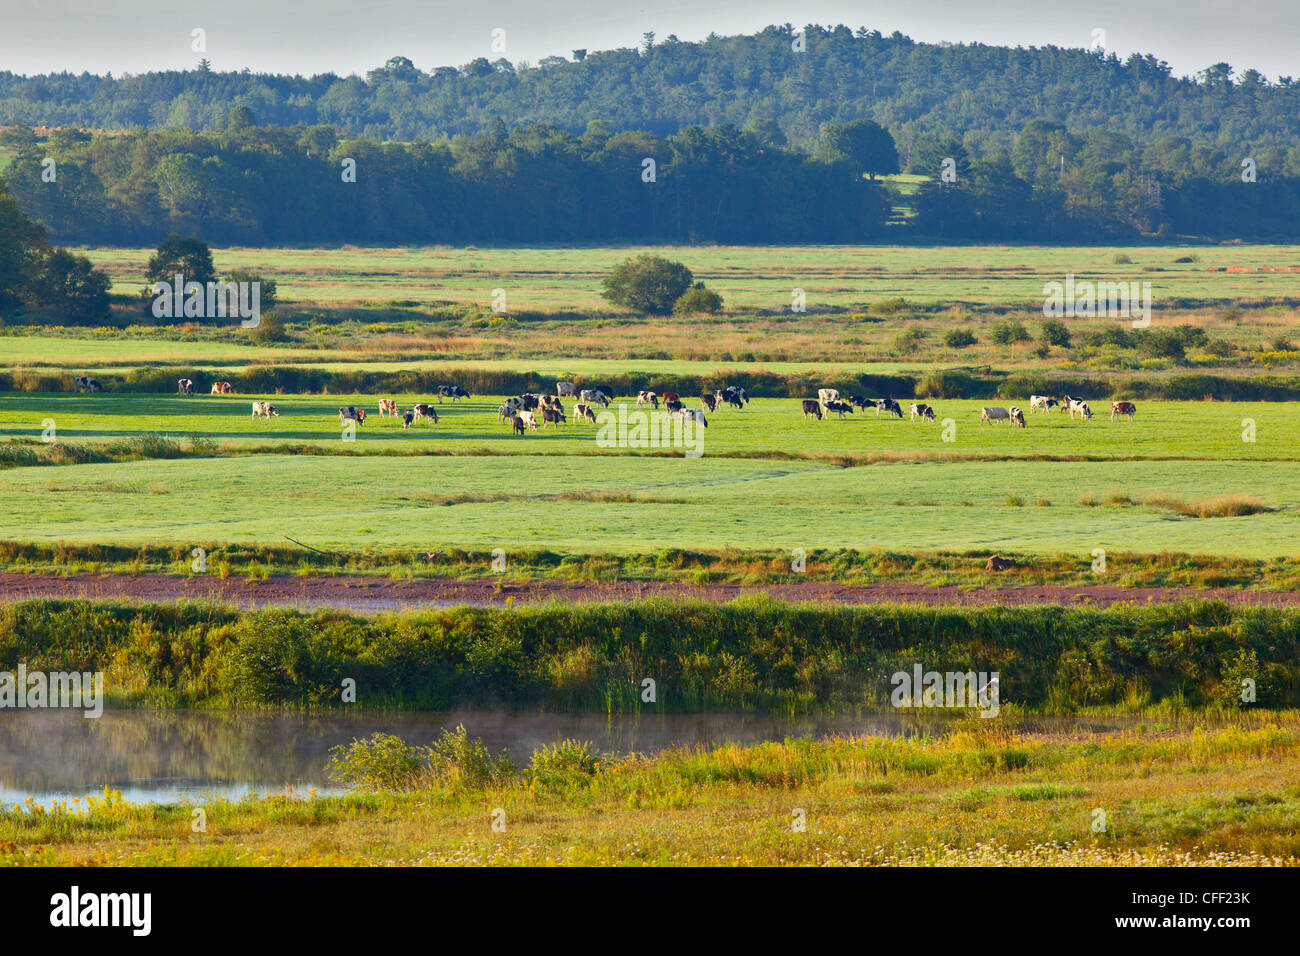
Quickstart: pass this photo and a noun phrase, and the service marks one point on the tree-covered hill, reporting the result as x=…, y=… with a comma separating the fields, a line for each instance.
x=983, y=94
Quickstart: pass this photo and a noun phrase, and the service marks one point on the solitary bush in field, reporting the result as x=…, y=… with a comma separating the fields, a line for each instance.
x=270, y=328
x=1010, y=332
x=887, y=307
x=647, y=283
x=1054, y=332
x=958, y=339
x=698, y=300
x=566, y=761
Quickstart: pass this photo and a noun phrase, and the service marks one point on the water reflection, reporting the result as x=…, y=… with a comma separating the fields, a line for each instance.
x=170, y=757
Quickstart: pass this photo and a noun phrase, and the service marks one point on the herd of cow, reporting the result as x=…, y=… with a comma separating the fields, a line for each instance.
x=828, y=400
x=521, y=412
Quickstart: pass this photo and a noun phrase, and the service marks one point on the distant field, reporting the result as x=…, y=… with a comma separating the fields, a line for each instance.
x=848, y=277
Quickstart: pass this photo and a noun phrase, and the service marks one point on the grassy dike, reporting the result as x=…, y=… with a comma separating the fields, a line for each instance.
x=753, y=654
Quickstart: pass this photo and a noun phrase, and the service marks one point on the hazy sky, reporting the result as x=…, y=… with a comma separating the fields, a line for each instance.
x=347, y=36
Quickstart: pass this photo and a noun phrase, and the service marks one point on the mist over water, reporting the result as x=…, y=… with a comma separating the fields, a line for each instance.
x=181, y=756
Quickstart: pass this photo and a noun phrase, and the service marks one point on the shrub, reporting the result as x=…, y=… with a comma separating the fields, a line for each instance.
x=1009, y=332
x=887, y=307
x=909, y=340
x=381, y=762
x=959, y=339
x=461, y=762
x=270, y=328
x=564, y=762
x=1054, y=332
x=647, y=283
x=698, y=300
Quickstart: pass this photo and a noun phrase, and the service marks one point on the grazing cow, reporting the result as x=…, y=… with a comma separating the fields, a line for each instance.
x=1042, y=403
x=732, y=396
x=515, y=405
x=185, y=386
x=566, y=388
x=647, y=398
x=553, y=416
x=1016, y=417
x=352, y=413
x=825, y=395
x=529, y=419
x=888, y=405
x=517, y=423
x=839, y=407
x=999, y=564
x=84, y=383
x=860, y=401
x=583, y=411
x=550, y=401
x=407, y=417
x=590, y=395
x=607, y=391
x=994, y=414
x=387, y=406
x=1122, y=408
x=529, y=401
x=424, y=410
x=922, y=411
x=673, y=405
x=454, y=392
x=709, y=403
x=221, y=388
x=504, y=412
x=265, y=409
x=693, y=414
x=670, y=397
x=1081, y=408
x=812, y=407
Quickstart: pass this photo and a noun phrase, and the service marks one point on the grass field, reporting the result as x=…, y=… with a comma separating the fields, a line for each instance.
x=978, y=796
x=841, y=277
x=768, y=477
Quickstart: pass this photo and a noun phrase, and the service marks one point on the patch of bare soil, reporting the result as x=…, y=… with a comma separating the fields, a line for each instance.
x=371, y=594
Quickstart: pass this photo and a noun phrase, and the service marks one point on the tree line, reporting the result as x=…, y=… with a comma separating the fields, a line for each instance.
x=797, y=78
x=267, y=185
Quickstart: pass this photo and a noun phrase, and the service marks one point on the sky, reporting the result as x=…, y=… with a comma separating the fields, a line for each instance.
x=353, y=36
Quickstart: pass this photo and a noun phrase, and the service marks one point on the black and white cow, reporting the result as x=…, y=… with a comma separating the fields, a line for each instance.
x=922, y=411
x=839, y=408
x=351, y=413
x=265, y=410
x=812, y=407
x=422, y=411
x=84, y=383
x=888, y=405
x=185, y=386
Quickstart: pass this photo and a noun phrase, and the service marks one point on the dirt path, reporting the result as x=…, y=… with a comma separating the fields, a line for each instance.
x=371, y=594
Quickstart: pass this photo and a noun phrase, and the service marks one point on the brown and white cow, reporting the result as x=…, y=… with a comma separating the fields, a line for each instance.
x=517, y=423
x=529, y=419
x=709, y=403
x=185, y=386
x=553, y=416
x=265, y=410
x=670, y=397
x=351, y=413
x=221, y=388
x=1118, y=409
x=387, y=406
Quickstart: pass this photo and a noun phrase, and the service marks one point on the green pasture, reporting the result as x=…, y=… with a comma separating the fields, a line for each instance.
x=752, y=277
x=1191, y=430
x=630, y=504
